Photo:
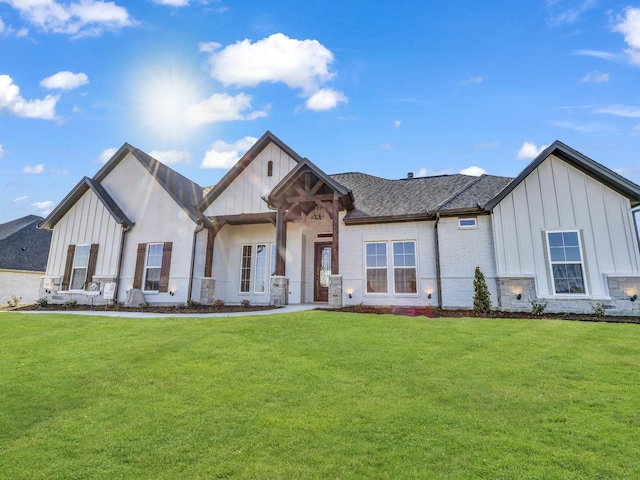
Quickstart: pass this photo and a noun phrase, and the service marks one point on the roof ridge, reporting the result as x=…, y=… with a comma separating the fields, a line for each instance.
x=473, y=181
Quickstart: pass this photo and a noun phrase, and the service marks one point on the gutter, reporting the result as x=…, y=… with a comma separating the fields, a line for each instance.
x=438, y=273
x=125, y=229
x=200, y=226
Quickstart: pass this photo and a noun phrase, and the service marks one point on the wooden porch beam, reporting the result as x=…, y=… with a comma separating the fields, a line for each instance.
x=281, y=242
x=335, y=254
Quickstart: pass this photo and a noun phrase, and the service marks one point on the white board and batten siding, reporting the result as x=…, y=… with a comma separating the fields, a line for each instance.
x=558, y=196
x=158, y=218
x=244, y=194
x=87, y=222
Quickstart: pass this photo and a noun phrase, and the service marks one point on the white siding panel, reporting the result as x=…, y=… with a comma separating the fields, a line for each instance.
x=558, y=196
x=87, y=222
x=244, y=194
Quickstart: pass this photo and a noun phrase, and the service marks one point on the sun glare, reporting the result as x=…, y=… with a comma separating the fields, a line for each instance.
x=163, y=94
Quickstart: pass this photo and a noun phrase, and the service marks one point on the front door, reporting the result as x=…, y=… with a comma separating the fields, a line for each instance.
x=322, y=271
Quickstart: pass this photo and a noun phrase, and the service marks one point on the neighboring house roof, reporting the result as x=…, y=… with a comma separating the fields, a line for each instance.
x=380, y=199
x=23, y=246
x=592, y=168
x=78, y=191
x=241, y=164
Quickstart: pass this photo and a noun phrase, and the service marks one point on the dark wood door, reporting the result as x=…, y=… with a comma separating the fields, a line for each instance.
x=322, y=271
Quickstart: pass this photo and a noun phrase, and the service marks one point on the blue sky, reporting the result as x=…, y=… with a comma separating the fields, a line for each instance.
x=434, y=87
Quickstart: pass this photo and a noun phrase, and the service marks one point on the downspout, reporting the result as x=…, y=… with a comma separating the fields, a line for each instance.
x=125, y=229
x=198, y=229
x=438, y=279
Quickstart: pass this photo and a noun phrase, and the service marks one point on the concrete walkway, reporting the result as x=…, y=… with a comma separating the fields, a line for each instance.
x=103, y=313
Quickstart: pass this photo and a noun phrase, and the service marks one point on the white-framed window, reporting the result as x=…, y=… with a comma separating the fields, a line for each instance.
x=405, y=270
x=257, y=265
x=467, y=223
x=153, y=267
x=376, y=267
x=566, y=261
x=245, y=269
x=260, y=282
x=80, y=267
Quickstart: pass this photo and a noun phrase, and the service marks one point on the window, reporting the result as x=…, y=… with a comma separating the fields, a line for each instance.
x=269, y=168
x=467, y=223
x=260, y=284
x=404, y=267
x=257, y=265
x=245, y=269
x=153, y=264
x=153, y=267
x=80, y=267
x=565, y=255
x=376, y=267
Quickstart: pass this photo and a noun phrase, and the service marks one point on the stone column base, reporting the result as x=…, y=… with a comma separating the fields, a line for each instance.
x=279, y=291
x=335, y=291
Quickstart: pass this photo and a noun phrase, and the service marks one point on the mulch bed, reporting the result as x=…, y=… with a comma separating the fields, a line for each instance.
x=418, y=311
x=432, y=312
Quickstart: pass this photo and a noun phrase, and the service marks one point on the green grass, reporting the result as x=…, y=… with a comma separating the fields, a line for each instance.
x=317, y=395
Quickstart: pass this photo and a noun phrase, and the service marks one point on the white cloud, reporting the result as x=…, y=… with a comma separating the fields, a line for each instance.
x=2, y=151
x=65, y=81
x=598, y=54
x=2, y=27
x=221, y=107
x=45, y=207
x=563, y=14
x=106, y=154
x=325, y=99
x=596, y=77
x=20, y=199
x=397, y=123
x=473, y=171
x=472, y=80
x=170, y=157
x=34, y=169
x=620, y=111
x=528, y=151
x=173, y=3
x=81, y=18
x=11, y=101
x=385, y=146
x=224, y=155
x=302, y=64
x=629, y=25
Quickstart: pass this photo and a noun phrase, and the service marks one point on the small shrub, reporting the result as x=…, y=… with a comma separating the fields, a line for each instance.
x=218, y=304
x=13, y=302
x=42, y=302
x=245, y=303
x=537, y=308
x=598, y=309
x=117, y=305
x=482, y=296
x=71, y=304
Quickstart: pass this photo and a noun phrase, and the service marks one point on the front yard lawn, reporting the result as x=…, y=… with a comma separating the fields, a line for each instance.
x=317, y=395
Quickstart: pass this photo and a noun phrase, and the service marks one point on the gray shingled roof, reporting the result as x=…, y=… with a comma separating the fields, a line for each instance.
x=185, y=192
x=23, y=246
x=377, y=197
